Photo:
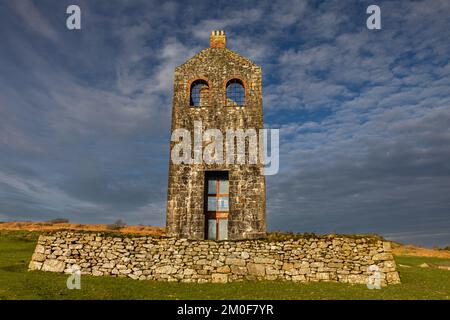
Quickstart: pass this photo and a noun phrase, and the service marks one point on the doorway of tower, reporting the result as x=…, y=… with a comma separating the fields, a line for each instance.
x=216, y=205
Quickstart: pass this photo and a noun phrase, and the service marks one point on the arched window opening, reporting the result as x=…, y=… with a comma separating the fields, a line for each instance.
x=235, y=93
x=199, y=93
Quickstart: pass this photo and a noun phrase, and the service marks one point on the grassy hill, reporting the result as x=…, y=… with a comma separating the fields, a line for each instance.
x=54, y=226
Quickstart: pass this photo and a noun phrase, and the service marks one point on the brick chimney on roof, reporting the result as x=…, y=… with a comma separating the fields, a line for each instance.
x=217, y=39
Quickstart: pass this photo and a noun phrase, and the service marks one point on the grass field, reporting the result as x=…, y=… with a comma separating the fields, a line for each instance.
x=16, y=248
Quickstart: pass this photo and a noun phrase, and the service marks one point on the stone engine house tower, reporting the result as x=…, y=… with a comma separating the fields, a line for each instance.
x=223, y=90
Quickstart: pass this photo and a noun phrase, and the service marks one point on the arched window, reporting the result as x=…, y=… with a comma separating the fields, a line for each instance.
x=235, y=93
x=199, y=95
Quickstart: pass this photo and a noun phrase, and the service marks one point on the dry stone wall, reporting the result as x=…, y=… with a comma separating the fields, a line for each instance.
x=330, y=258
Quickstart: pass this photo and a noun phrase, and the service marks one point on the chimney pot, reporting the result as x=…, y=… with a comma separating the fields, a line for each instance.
x=217, y=39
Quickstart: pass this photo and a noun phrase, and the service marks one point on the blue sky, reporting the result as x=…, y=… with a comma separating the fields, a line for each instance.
x=363, y=114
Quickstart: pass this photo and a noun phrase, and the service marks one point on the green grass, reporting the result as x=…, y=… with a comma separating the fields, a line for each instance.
x=16, y=248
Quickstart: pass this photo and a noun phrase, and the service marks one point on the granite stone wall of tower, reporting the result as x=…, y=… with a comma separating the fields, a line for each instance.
x=186, y=188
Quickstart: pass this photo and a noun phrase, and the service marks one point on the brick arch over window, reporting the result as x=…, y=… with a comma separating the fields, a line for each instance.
x=236, y=92
x=199, y=93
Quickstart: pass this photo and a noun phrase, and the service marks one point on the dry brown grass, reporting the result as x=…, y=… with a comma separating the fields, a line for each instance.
x=409, y=250
x=47, y=226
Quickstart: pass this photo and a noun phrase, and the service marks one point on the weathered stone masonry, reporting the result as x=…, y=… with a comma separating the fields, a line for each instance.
x=168, y=259
x=186, y=184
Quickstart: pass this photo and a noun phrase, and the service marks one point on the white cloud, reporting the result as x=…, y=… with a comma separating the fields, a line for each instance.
x=32, y=16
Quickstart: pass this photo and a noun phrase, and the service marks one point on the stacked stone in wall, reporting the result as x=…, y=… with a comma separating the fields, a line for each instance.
x=331, y=258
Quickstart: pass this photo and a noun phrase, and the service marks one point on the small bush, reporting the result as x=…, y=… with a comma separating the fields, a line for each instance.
x=58, y=220
x=45, y=224
x=119, y=224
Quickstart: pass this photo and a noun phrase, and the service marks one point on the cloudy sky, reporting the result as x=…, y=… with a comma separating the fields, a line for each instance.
x=364, y=115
